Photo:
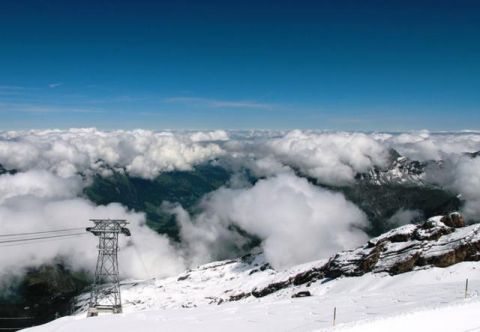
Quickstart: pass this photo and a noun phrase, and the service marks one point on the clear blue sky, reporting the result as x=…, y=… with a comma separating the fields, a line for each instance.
x=351, y=65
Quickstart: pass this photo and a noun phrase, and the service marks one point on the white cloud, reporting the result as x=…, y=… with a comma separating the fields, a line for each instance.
x=54, y=85
x=143, y=153
x=29, y=213
x=424, y=145
x=202, y=136
x=296, y=221
x=38, y=183
x=465, y=179
x=39, y=201
x=404, y=216
x=218, y=103
x=332, y=158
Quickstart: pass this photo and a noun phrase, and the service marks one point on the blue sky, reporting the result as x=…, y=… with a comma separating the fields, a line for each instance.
x=349, y=65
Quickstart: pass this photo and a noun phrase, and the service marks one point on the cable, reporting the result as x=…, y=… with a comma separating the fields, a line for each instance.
x=39, y=241
x=44, y=232
x=40, y=238
x=141, y=258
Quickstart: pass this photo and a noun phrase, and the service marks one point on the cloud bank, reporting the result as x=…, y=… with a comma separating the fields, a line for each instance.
x=296, y=221
x=331, y=158
x=37, y=201
x=142, y=153
x=424, y=145
x=462, y=175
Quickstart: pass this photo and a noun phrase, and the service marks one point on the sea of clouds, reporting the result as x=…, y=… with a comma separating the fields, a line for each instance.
x=295, y=220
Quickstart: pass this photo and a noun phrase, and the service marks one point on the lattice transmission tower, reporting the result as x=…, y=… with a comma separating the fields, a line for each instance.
x=105, y=295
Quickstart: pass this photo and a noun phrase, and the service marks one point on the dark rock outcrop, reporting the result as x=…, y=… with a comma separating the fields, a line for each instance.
x=440, y=241
x=3, y=170
x=183, y=277
x=453, y=220
x=302, y=294
x=399, y=170
x=472, y=154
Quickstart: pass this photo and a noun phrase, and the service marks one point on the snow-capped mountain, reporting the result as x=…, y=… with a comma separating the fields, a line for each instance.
x=399, y=170
x=402, y=170
x=400, y=271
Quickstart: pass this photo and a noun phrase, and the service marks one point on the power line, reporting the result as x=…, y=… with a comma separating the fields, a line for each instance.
x=40, y=238
x=35, y=241
x=16, y=318
x=141, y=258
x=43, y=232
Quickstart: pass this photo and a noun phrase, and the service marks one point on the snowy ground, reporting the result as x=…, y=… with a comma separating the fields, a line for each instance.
x=430, y=299
x=456, y=317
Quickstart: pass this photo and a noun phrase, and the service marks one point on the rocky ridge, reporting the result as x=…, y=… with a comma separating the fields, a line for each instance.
x=440, y=241
x=402, y=170
x=399, y=170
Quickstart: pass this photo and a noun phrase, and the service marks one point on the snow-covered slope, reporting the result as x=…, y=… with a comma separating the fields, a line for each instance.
x=459, y=316
x=357, y=299
x=363, y=284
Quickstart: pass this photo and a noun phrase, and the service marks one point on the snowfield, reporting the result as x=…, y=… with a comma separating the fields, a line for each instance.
x=456, y=317
x=421, y=300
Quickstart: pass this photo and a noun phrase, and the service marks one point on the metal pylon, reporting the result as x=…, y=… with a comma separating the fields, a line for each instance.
x=105, y=295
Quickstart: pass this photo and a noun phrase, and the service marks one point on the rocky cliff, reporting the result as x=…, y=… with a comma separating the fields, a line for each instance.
x=440, y=241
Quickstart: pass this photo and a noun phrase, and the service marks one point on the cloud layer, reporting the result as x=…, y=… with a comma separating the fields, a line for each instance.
x=38, y=201
x=462, y=175
x=142, y=153
x=424, y=145
x=295, y=220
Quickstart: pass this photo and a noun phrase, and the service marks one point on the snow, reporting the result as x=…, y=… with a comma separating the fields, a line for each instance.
x=421, y=300
x=400, y=171
x=456, y=317
x=402, y=230
x=408, y=246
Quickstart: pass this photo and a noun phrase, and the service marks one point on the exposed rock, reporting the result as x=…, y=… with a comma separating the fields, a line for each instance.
x=432, y=230
x=401, y=250
x=440, y=241
x=301, y=278
x=272, y=288
x=454, y=219
x=261, y=268
x=240, y=296
x=472, y=154
x=265, y=266
x=301, y=294
x=399, y=170
x=184, y=277
x=253, y=271
x=404, y=265
x=307, y=276
x=3, y=170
